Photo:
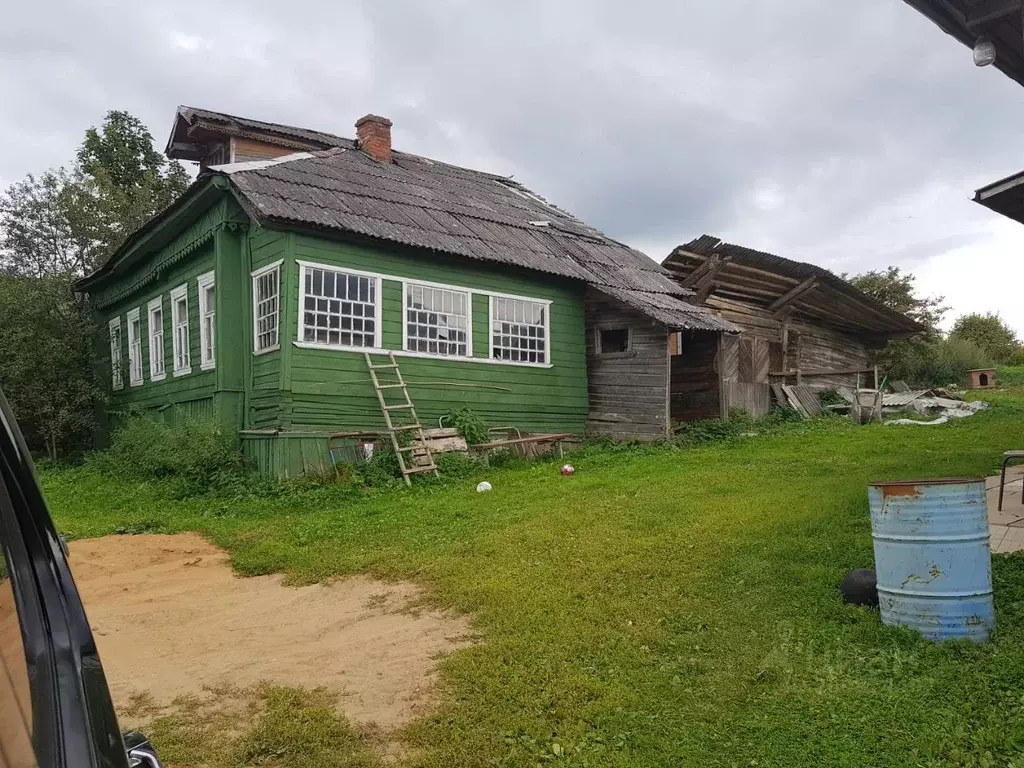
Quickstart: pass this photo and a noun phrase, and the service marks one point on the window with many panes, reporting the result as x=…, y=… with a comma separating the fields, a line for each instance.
x=519, y=330
x=207, y=315
x=116, y=378
x=179, y=327
x=156, y=339
x=134, y=348
x=436, y=320
x=339, y=308
x=266, y=292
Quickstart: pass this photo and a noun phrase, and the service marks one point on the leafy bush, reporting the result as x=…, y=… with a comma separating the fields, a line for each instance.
x=1010, y=375
x=469, y=425
x=197, y=456
x=458, y=465
x=936, y=363
x=382, y=470
x=738, y=423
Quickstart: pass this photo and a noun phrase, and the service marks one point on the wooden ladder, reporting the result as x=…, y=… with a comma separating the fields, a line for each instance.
x=420, y=457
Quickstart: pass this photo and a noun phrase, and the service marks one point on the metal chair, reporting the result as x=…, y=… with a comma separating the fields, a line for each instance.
x=1007, y=457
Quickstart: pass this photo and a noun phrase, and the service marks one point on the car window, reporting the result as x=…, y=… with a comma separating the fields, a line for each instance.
x=15, y=697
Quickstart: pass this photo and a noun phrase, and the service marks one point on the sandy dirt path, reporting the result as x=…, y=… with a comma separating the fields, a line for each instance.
x=170, y=617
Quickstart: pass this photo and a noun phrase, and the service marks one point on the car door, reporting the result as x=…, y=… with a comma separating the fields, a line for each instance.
x=55, y=708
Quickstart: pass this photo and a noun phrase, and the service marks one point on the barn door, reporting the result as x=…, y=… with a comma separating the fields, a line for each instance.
x=749, y=388
x=754, y=358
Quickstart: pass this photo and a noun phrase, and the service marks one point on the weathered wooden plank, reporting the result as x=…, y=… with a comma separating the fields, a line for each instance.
x=627, y=393
x=793, y=293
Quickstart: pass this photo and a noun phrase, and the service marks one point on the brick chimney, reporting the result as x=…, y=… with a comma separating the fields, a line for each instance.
x=374, y=135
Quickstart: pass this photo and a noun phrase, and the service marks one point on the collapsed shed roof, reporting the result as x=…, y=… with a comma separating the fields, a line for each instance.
x=782, y=285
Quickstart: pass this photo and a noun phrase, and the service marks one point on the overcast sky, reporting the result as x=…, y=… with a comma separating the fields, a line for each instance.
x=846, y=134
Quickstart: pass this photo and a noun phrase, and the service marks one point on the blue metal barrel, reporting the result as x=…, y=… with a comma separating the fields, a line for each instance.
x=932, y=556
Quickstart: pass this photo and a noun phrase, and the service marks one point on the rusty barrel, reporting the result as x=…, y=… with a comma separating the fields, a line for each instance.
x=932, y=556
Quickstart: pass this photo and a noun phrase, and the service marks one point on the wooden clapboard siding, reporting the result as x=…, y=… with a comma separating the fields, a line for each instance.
x=251, y=149
x=803, y=345
x=694, y=392
x=753, y=397
x=628, y=392
x=331, y=389
x=169, y=398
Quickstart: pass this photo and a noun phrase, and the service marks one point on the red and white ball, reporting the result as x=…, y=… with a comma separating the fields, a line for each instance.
x=567, y=469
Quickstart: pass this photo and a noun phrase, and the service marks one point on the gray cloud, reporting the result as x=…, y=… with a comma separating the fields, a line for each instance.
x=847, y=134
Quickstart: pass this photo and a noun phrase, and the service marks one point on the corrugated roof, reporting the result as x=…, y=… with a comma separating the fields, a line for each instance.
x=673, y=312
x=427, y=204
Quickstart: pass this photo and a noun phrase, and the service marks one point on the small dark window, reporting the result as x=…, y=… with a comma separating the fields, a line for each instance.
x=613, y=340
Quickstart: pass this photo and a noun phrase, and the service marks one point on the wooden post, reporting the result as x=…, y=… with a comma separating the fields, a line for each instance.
x=230, y=294
x=799, y=377
x=668, y=386
x=876, y=377
x=723, y=406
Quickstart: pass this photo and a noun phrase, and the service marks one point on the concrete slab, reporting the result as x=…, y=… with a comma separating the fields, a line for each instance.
x=1006, y=526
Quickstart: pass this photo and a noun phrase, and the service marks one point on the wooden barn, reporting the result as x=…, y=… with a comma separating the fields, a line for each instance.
x=800, y=324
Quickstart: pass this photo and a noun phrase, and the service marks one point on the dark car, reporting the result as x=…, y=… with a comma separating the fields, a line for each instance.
x=55, y=707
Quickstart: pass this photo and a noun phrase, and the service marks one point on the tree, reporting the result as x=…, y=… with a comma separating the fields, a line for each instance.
x=120, y=181
x=926, y=359
x=54, y=227
x=895, y=289
x=71, y=221
x=989, y=332
x=46, y=369
x=37, y=236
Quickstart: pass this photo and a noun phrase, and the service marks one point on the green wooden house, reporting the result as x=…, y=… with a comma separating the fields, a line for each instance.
x=254, y=297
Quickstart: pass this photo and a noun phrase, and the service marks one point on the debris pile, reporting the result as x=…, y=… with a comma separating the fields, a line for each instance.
x=936, y=406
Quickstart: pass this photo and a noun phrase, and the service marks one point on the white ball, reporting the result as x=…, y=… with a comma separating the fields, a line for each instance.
x=484, y=486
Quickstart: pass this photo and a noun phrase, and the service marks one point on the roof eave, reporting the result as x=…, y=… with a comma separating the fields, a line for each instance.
x=191, y=203
x=942, y=15
x=1005, y=197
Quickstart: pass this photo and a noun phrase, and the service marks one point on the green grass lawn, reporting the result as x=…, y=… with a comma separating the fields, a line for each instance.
x=659, y=608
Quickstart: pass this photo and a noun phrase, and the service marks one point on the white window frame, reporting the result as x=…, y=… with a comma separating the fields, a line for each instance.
x=256, y=275
x=134, y=349
x=377, y=308
x=407, y=286
x=547, y=330
x=179, y=293
x=380, y=277
x=116, y=374
x=156, y=353
x=203, y=282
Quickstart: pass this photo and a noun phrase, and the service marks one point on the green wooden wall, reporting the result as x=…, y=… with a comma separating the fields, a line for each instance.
x=198, y=245
x=331, y=389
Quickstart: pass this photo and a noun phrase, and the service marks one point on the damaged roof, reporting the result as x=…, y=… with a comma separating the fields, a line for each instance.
x=188, y=121
x=423, y=203
x=330, y=185
x=775, y=282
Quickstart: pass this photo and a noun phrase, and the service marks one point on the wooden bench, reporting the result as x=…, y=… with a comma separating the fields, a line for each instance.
x=527, y=445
